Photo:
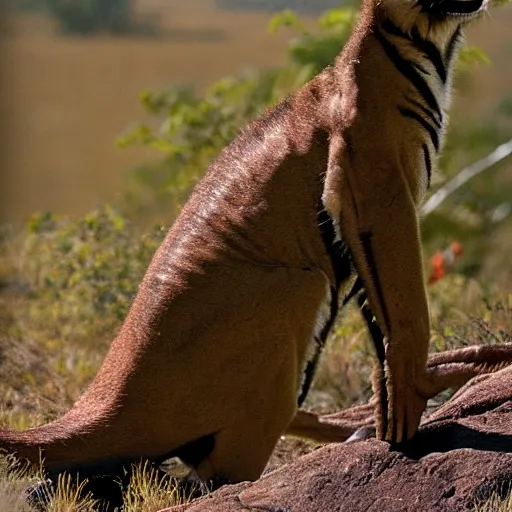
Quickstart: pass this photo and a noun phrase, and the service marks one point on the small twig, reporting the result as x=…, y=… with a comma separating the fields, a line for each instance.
x=484, y=326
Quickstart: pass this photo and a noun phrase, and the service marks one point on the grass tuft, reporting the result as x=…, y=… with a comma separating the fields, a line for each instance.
x=496, y=504
x=149, y=491
x=15, y=479
x=69, y=497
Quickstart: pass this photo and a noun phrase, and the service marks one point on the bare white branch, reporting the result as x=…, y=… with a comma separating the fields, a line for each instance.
x=500, y=153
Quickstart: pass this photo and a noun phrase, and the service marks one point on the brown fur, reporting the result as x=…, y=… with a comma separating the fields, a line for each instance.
x=239, y=298
x=453, y=369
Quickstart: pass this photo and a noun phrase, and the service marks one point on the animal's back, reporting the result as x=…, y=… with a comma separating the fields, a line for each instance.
x=237, y=285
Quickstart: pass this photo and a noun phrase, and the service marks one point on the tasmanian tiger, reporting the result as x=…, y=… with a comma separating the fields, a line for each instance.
x=315, y=200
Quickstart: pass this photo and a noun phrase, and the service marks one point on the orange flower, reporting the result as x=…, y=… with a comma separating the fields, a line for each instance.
x=443, y=260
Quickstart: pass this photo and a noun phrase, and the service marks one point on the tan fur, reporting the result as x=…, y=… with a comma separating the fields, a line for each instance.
x=230, y=316
x=375, y=181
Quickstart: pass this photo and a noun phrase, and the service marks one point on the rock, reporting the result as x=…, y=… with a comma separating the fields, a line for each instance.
x=460, y=457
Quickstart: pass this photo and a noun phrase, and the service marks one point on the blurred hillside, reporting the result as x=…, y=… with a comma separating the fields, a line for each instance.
x=279, y=5
x=65, y=99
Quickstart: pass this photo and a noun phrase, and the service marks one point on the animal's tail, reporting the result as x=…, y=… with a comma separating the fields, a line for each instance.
x=96, y=428
x=78, y=437
x=57, y=443
x=29, y=444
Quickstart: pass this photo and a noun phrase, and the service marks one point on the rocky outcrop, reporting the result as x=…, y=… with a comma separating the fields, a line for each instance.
x=460, y=457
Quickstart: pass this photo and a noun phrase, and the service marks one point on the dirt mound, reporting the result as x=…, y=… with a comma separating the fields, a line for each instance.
x=461, y=456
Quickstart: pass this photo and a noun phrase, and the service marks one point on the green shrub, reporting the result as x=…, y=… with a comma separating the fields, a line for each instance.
x=196, y=128
x=68, y=285
x=83, y=274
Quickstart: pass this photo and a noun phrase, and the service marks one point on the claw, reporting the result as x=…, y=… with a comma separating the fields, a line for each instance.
x=361, y=434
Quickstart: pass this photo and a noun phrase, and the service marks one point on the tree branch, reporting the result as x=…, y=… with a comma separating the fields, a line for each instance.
x=500, y=153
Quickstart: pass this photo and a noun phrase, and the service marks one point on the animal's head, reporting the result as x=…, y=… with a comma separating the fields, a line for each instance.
x=432, y=20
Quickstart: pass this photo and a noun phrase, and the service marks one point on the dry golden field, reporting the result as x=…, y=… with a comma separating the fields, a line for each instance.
x=64, y=100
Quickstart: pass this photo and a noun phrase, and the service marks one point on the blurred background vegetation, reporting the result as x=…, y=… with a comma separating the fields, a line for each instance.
x=82, y=217
x=84, y=16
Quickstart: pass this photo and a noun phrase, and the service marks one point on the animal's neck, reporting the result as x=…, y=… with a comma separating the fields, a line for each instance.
x=437, y=56
x=411, y=75
x=438, y=51
x=362, y=30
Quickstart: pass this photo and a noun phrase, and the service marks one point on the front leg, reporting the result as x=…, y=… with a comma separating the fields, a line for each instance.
x=450, y=369
x=376, y=215
x=378, y=375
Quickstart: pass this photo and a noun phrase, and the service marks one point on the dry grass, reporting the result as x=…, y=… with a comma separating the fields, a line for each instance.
x=496, y=504
x=15, y=479
x=69, y=497
x=148, y=491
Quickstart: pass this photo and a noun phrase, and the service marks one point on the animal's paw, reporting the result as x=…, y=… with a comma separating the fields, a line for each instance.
x=361, y=434
x=401, y=415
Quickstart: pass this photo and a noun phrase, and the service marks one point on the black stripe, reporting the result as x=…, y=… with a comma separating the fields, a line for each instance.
x=337, y=249
x=373, y=327
x=309, y=374
x=342, y=268
x=409, y=71
x=356, y=288
x=427, y=112
x=452, y=45
x=380, y=350
x=310, y=370
x=434, y=135
x=428, y=163
x=430, y=50
x=366, y=241
x=394, y=30
x=420, y=68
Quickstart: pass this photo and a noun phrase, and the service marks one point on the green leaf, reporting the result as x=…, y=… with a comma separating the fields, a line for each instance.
x=472, y=55
x=286, y=18
x=344, y=16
